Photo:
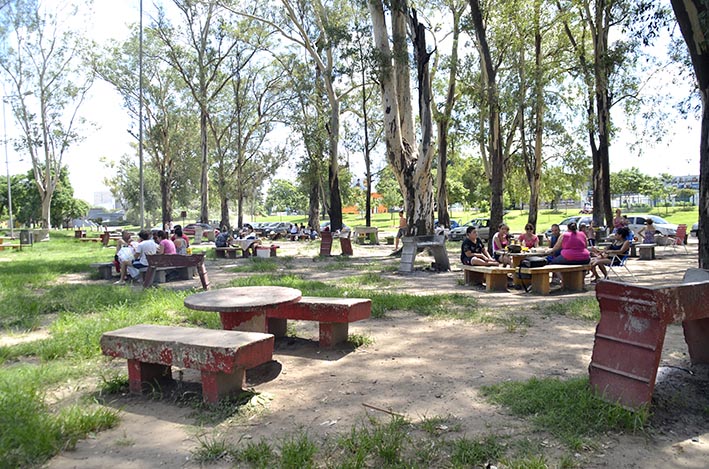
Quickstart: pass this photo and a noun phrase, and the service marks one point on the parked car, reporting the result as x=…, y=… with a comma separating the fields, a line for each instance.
x=695, y=230
x=482, y=226
x=636, y=223
x=564, y=224
x=206, y=227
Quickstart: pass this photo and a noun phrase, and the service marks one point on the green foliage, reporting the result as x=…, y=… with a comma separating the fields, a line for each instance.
x=567, y=409
x=284, y=196
x=467, y=453
x=579, y=308
x=298, y=451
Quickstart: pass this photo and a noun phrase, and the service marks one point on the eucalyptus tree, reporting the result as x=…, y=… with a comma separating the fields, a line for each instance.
x=47, y=67
x=493, y=33
x=198, y=49
x=607, y=72
x=443, y=116
x=125, y=187
x=168, y=117
x=410, y=162
x=243, y=116
x=692, y=18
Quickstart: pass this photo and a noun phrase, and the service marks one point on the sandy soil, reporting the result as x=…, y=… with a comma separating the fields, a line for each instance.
x=419, y=367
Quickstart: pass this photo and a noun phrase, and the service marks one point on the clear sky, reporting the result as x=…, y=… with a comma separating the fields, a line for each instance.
x=678, y=155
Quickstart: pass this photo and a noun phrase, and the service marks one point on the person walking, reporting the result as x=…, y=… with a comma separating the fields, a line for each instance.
x=402, y=230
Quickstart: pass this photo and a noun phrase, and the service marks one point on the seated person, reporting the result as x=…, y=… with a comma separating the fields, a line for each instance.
x=528, y=239
x=555, y=233
x=611, y=255
x=473, y=251
x=573, y=248
x=293, y=232
x=125, y=248
x=223, y=239
x=165, y=244
x=499, y=243
x=145, y=247
x=181, y=241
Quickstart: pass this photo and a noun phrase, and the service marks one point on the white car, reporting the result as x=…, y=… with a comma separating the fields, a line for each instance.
x=482, y=226
x=563, y=225
x=636, y=223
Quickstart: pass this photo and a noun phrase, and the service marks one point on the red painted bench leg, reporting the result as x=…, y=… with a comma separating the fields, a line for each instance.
x=333, y=333
x=216, y=385
x=139, y=372
x=253, y=321
x=696, y=334
x=277, y=326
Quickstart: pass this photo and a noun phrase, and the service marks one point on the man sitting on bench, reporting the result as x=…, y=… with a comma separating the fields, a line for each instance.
x=473, y=251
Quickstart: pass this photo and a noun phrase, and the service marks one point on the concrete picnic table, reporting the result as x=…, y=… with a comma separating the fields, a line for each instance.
x=243, y=308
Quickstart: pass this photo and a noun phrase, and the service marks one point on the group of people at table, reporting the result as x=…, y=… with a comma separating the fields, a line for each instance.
x=131, y=255
x=573, y=247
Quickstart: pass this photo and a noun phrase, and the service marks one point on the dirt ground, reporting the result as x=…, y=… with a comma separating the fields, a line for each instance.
x=421, y=367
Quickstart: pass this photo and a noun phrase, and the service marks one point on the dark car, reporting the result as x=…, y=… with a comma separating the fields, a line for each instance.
x=206, y=227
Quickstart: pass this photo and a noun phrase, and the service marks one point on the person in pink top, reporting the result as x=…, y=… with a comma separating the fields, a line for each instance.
x=573, y=245
x=528, y=238
x=165, y=246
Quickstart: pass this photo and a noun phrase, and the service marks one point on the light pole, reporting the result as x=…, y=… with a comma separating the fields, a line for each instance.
x=7, y=167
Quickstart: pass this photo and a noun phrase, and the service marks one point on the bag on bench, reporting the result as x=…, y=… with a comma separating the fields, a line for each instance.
x=529, y=263
x=533, y=261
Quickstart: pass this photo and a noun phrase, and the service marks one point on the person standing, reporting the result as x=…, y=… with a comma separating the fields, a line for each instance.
x=402, y=230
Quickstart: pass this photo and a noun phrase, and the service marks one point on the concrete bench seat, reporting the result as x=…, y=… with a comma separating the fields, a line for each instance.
x=494, y=278
x=571, y=277
x=646, y=251
x=229, y=252
x=10, y=246
x=222, y=357
x=105, y=269
x=333, y=314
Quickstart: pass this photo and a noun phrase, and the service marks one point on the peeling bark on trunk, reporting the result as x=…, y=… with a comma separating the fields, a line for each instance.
x=691, y=16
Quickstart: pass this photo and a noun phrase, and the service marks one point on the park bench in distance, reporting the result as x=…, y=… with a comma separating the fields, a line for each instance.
x=333, y=314
x=227, y=252
x=221, y=356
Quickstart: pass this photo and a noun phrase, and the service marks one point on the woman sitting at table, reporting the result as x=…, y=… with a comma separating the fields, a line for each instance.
x=573, y=247
x=499, y=243
x=528, y=239
x=611, y=255
x=473, y=251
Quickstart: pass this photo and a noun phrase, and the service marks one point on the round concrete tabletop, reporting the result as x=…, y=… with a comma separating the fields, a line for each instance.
x=236, y=299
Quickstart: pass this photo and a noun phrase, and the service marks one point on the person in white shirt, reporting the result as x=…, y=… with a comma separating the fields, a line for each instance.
x=145, y=248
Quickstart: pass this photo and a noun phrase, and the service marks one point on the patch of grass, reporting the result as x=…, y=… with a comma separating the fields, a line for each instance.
x=530, y=462
x=579, y=308
x=211, y=448
x=511, y=322
x=473, y=453
x=436, y=426
x=113, y=384
x=441, y=306
x=360, y=340
x=79, y=420
x=260, y=455
x=298, y=452
x=567, y=409
x=369, y=278
x=238, y=407
x=384, y=441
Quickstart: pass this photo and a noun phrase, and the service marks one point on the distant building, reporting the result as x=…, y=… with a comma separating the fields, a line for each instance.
x=685, y=182
x=104, y=199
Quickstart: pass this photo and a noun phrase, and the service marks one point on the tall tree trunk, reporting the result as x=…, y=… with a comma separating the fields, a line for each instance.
x=496, y=155
x=535, y=173
x=204, y=175
x=601, y=72
x=691, y=16
x=412, y=170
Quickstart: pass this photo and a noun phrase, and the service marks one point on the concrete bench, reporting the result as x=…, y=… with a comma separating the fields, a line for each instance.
x=333, y=314
x=158, y=263
x=494, y=278
x=227, y=252
x=105, y=269
x=222, y=357
x=571, y=277
x=646, y=251
x=411, y=245
x=10, y=246
x=629, y=336
x=161, y=274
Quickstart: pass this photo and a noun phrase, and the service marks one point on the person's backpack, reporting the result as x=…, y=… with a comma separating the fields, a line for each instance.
x=533, y=261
